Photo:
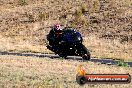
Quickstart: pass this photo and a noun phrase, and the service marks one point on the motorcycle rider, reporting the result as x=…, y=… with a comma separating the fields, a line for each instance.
x=54, y=36
x=66, y=41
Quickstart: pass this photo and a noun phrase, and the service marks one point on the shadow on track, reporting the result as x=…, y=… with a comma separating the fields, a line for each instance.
x=42, y=55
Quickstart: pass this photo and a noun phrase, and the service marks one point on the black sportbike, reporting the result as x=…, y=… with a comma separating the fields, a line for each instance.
x=70, y=44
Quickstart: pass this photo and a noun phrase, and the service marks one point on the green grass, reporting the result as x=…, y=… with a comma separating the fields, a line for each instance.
x=122, y=63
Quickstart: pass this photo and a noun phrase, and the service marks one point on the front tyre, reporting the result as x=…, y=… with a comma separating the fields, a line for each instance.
x=83, y=52
x=86, y=57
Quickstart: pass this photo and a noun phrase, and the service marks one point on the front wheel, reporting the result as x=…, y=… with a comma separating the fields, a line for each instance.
x=83, y=52
x=86, y=56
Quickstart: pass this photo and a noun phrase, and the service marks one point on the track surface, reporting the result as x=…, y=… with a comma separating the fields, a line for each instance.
x=41, y=55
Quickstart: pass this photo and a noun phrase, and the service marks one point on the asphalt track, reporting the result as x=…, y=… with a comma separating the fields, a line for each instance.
x=53, y=56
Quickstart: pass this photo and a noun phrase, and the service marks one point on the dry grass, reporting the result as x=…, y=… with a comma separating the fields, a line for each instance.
x=32, y=72
x=105, y=24
x=98, y=48
x=101, y=48
x=21, y=46
x=24, y=23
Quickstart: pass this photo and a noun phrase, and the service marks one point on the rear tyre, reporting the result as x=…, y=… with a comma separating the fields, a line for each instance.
x=62, y=55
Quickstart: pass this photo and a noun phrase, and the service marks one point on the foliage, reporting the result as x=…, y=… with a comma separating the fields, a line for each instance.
x=79, y=18
x=22, y=2
x=122, y=63
x=78, y=13
x=43, y=16
x=84, y=8
x=96, y=5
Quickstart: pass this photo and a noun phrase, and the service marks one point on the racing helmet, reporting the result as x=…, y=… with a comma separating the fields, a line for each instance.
x=57, y=27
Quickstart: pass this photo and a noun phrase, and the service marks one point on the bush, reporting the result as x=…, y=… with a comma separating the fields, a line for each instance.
x=84, y=9
x=78, y=13
x=96, y=5
x=43, y=16
x=22, y=2
x=79, y=18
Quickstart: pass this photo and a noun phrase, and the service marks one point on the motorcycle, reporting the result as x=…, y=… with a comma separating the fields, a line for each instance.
x=70, y=44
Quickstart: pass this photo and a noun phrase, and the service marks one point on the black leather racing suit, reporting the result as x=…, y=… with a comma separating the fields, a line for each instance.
x=54, y=37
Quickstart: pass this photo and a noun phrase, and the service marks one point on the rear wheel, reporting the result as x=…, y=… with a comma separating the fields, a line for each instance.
x=62, y=55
